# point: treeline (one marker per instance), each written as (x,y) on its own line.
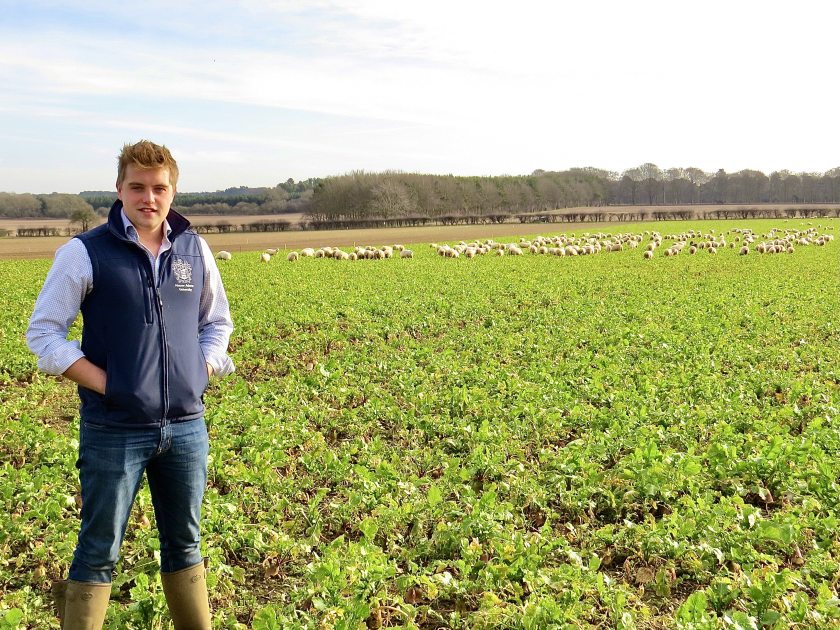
(359,199)
(286,197)
(52,206)
(650,185)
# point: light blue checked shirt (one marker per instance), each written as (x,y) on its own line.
(70,279)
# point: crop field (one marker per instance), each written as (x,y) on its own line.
(519,442)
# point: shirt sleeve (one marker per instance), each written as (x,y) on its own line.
(68,281)
(215,325)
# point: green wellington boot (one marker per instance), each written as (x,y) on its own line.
(59,592)
(186,596)
(85,604)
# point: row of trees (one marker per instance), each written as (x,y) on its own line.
(650,185)
(53,206)
(286,197)
(389,195)
(413,198)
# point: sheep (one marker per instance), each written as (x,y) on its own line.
(744,251)
(224,255)
(265,257)
(307,252)
(406,253)
(293,256)
(271,251)
(648,254)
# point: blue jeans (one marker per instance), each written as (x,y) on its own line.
(111,465)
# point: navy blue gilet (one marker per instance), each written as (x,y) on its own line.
(144,336)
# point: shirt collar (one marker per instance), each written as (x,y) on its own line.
(131,231)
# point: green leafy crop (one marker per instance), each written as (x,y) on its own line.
(500,442)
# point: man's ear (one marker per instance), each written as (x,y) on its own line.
(119,190)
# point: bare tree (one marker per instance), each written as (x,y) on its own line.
(391,199)
(85,218)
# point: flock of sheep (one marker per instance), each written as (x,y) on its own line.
(692,241)
(364,253)
(776,241)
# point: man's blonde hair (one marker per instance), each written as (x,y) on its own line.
(147,155)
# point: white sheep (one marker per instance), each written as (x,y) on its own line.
(224,255)
(293,256)
(271,251)
(406,253)
(265,257)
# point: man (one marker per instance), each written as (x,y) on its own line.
(156,325)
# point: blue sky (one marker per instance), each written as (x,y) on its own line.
(253,92)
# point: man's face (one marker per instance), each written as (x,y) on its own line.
(146,195)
